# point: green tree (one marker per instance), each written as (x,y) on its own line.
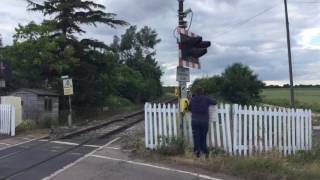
(211,85)
(135,49)
(241,85)
(52,49)
(1,41)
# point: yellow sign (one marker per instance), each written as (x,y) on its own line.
(67,87)
(184,104)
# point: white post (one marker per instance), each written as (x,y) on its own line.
(162,128)
(250,130)
(170,122)
(228,128)
(255,128)
(146,127)
(280,129)
(260,129)
(265,128)
(270,127)
(13,120)
(175,111)
(289,115)
(235,129)
(212,120)
(245,130)
(294,130)
(223,127)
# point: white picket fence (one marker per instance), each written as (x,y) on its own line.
(239,130)
(7,120)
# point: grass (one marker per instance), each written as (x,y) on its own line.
(304,165)
(304,97)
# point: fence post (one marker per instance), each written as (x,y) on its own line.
(235,129)
(146,124)
(13,120)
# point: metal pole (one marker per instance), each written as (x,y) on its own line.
(289,55)
(182,85)
(70,113)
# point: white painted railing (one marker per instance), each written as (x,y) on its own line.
(239,130)
(160,123)
(7,120)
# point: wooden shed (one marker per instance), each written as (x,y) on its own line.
(38,104)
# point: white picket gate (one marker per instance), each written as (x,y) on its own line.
(239,130)
(7,120)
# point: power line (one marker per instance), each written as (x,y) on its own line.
(241,23)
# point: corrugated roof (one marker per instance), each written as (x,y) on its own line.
(39,92)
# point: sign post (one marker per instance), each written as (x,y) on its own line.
(68,91)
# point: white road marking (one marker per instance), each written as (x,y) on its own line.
(74,144)
(22,143)
(157,167)
(66,143)
(116,148)
(79,160)
(6,144)
(27,139)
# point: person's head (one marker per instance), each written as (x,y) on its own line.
(199,91)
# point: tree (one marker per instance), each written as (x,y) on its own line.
(59,52)
(1,41)
(241,85)
(69,15)
(211,85)
(135,49)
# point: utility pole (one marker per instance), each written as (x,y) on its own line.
(182,84)
(289,55)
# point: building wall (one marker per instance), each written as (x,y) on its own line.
(43,114)
(16,102)
(29,103)
(33,106)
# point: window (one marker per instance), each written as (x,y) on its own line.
(48,104)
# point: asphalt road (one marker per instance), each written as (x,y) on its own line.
(37,159)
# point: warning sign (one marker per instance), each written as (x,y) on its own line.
(67,87)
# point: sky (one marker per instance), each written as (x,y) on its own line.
(251,32)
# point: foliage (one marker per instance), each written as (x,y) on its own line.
(240,85)
(211,85)
(26,125)
(42,53)
(172,147)
(139,71)
(237,84)
(1,41)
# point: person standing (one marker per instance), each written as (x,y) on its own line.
(199,107)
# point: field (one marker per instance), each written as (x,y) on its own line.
(304,97)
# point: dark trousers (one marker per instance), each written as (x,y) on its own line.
(199,132)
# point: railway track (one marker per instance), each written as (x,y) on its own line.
(93,136)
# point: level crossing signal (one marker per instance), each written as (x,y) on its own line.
(192,47)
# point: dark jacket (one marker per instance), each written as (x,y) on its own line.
(199,107)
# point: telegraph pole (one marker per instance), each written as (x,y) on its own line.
(182,84)
(289,55)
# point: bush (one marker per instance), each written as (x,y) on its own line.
(172,147)
(26,125)
(214,152)
(237,84)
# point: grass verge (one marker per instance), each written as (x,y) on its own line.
(304,165)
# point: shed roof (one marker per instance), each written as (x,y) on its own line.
(40,92)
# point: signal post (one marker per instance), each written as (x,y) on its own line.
(191,48)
